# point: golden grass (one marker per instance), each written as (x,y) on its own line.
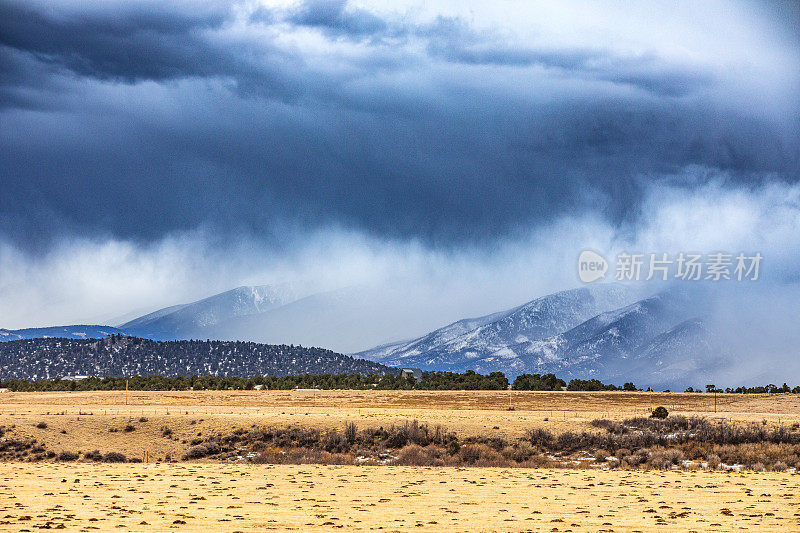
(88,416)
(247,497)
(226,498)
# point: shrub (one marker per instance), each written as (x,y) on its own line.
(202,450)
(537,461)
(632,460)
(42,425)
(454,447)
(93,456)
(409,433)
(491,457)
(540,437)
(521,452)
(658,459)
(113,457)
(622,452)
(568,441)
(128,428)
(350,432)
(660,412)
(674,456)
(779,466)
(713,461)
(416,455)
(67,456)
(335,442)
(480,455)
(470,453)
(601,455)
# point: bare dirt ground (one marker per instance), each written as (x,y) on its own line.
(204,497)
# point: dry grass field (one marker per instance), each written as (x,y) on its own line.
(86,417)
(198,496)
(227,498)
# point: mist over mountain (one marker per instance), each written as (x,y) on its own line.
(660,336)
(347,319)
(470,341)
(197,319)
(591,332)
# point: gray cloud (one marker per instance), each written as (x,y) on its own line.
(137,120)
(335,17)
(126,42)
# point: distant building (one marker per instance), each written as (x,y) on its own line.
(73,378)
(415,373)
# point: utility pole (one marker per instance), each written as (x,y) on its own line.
(715,399)
(126,391)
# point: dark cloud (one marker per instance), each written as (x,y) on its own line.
(129,43)
(335,17)
(135,120)
(134,42)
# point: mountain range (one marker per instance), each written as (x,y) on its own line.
(611,332)
(600,332)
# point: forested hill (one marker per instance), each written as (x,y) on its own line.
(117,355)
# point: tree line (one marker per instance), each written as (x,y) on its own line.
(430,381)
(468,380)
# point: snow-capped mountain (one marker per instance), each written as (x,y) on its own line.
(658,341)
(604,331)
(503,335)
(70,332)
(592,332)
(197,319)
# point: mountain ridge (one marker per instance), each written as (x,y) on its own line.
(119,355)
(193,320)
(554,334)
(77,331)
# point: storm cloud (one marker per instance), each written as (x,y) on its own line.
(452,128)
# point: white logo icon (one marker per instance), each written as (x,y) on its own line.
(591,266)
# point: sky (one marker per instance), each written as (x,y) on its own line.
(154,153)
